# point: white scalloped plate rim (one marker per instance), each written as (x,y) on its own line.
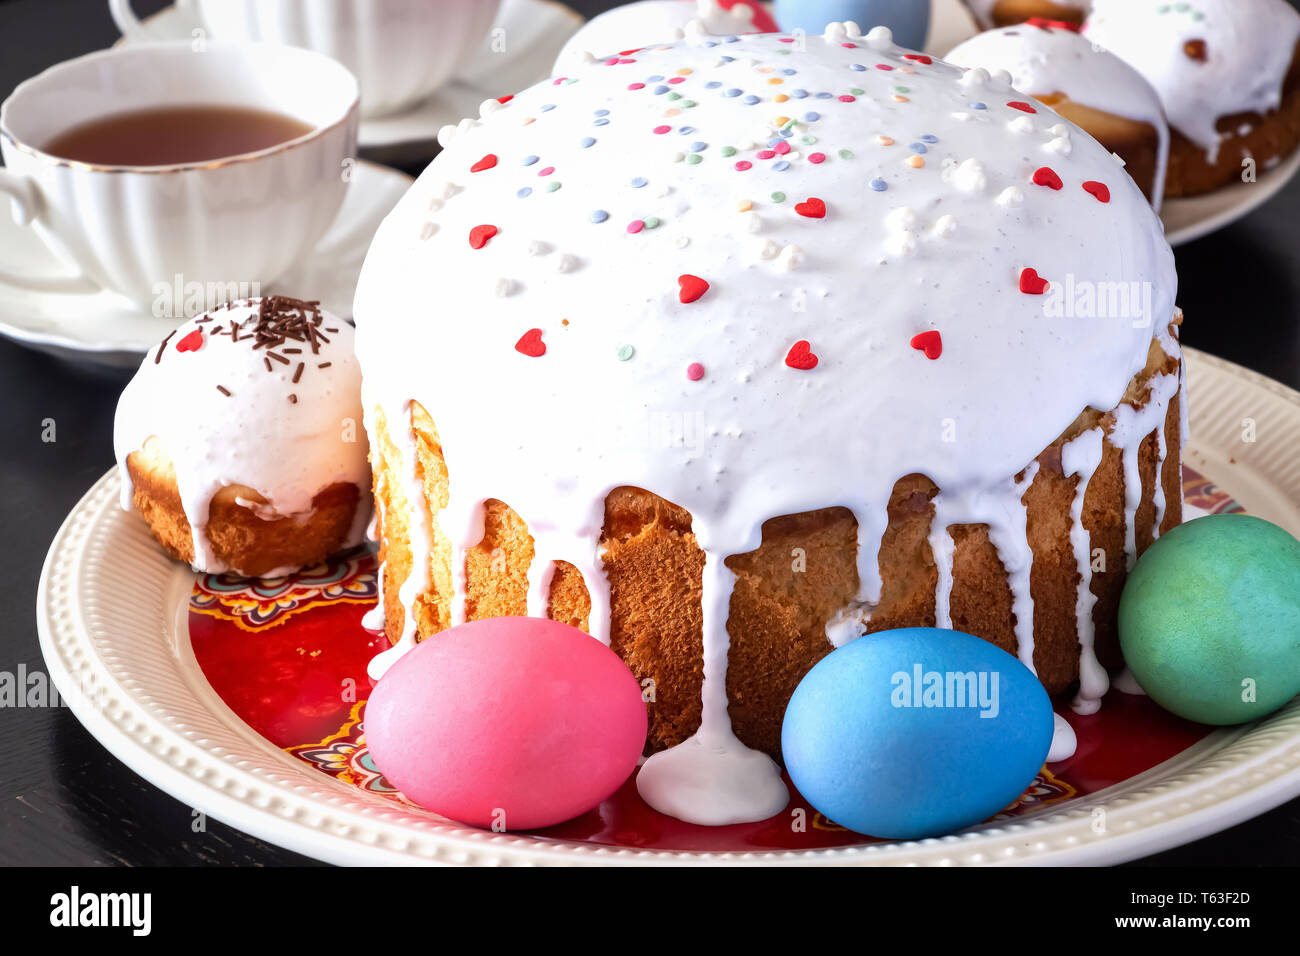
(112,612)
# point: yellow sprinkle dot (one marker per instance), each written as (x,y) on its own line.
(906,69)
(901,99)
(672,112)
(529,120)
(916,162)
(780,98)
(745,205)
(780,121)
(775,80)
(885,140)
(685,71)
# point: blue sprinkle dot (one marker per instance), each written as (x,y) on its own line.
(733,92)
(929,138)
(879,185)
(525,192)
(728,59)
(686,130)
(600,122)
(978,106)
(750,100)
(823,96)
(639,182)
(812,117)
(786,133)
(599,215)
(781,167)
(789,72)
(857,67)
(712,84)
(660,90)
(587,141)
(709,44)
(548,107)
(799,94)
(917,147)
(653,79)
(731,39)
(699,147)
(601,113)
(529,160)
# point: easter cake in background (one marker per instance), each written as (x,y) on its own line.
(1002,13)
(1227,73)
(239,439)
(733,349)
(1084,83)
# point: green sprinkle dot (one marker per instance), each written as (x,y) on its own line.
(783,52)
(674,96)
(687,104)
(809,139)
(902,89)
(857,92)
(625,352)
(728,151)
(551,187)
(650,222)
(694,159)
(778,197)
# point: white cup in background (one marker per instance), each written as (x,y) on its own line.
(242,219)
(400,50)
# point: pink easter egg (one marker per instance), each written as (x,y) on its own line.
(512,722)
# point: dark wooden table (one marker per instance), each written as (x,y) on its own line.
(65,800)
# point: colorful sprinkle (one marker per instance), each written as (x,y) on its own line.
(1046,176)
(744,165)
(1022,106)
(690,288)
(811,208)
(695,371)
(192,342)
(660,130)
(801,356)
(1099,191)
(531,344)
(487,162)
(529,160)
(639,182)
(599,215)
(879,185)
(778,197)
(625,352)
(930,342)
(587,142)
(479,235)
(1031,283)
(816,158)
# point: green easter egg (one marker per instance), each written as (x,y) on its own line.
(1210,619)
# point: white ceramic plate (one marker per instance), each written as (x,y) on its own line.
(523,44)
(107,330)
(112,613)
(1184,219)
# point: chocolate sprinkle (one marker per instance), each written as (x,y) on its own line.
(223,390)
(297,373)
(162,345)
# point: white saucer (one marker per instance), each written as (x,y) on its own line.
(105,329)
(533,32)
(1184,219)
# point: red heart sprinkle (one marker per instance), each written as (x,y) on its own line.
(812,208)
(487,162)
(1031,283)
(191,343)
(919,58)
(479,235)
(1046,176)
(1099,190)
(503,100)
(801,356)
(531,344)
(1023,107)
(691,287)
(931,343)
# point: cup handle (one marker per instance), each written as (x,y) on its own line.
(27,204)
(127,22)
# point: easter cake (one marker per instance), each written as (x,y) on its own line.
(733,349)
(240,440)
(1227,74)
(1089,86)
(1002,13)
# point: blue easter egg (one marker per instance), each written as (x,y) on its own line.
(909,19)
(916,732)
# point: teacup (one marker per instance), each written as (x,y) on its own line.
(400,50)
(234,222)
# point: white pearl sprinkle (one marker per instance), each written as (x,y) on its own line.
(1011,197)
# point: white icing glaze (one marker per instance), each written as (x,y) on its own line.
(1080,457)
(749,437)
(644,22)
(1249,46)
(982,10)
(256,436)
(1064,741)
(1044,60)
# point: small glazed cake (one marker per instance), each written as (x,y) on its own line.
(657,21)
(735,349)
(1004,13)
(1089,86)
(1226,72)
(240,439)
